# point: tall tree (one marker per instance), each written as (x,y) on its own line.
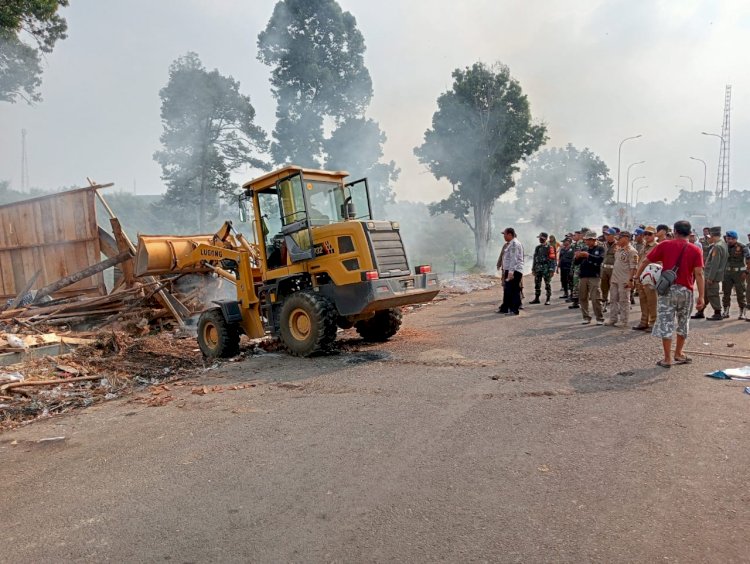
(480,133)
(564,189)
(317,55)
(28,28)
(357,145)
(209,131)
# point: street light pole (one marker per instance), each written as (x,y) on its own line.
(690,179)
(637,193)
(619,155)
(722,147)
(632,184)
(705,168)
(627,179)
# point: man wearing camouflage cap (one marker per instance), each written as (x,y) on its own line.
(735,274)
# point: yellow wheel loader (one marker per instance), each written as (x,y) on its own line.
(318,261)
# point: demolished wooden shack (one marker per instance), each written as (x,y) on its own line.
(53,256)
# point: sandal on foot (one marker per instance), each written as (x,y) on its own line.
(683,360)
(663,364)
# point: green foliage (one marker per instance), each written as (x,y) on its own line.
(480,133)
(209,131)
(564,188)
(357,146)
(317,55)
(20,62)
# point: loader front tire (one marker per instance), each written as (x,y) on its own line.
(308,323)
(380,327)
(216,337)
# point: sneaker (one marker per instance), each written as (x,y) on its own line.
(698,315)
(535,301)
(547,303)
(600,322)
(715,317)
(573,306)
(640,327)
(586,322)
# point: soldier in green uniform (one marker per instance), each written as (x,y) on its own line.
(735,274)
(543,268)
(714,274)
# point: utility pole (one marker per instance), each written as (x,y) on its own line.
(25,184)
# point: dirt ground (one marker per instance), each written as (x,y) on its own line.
(470,436)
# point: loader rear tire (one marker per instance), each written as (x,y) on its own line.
(381,327)
(308,323)
(216,337)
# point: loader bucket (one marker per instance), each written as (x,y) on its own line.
(158,254)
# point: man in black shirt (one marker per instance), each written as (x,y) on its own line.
(590,266)
(565,266)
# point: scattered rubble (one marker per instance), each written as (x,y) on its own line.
(109,367)
(468,283)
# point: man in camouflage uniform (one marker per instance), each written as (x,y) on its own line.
(578,245)
(735,273)
(543,268)
(714,273)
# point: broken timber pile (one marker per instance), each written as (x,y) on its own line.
(51,274)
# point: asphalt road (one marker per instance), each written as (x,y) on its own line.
(469,437)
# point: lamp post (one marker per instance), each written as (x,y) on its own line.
(627,178)
(637,193)
(690,179)
(619,155)
(704,177)
(631,189)
(635,203)
(722,147)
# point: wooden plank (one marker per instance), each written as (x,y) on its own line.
(90,188)
(78,276)
(123,245)
(161,295)
(23,292)
(107,244)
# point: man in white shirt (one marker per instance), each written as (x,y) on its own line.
(512,273)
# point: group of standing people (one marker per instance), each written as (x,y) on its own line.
(602,274)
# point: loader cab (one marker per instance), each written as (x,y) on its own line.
(291,203)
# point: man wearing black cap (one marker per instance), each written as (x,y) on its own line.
(717,264)
(590,264)
(738,262)
(543,268)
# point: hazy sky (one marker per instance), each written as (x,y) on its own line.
(595,71)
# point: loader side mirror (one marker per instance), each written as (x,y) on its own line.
(348,211)
(243,209)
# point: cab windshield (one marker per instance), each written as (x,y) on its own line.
(325,200)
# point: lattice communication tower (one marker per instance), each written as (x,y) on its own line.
(722,175)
